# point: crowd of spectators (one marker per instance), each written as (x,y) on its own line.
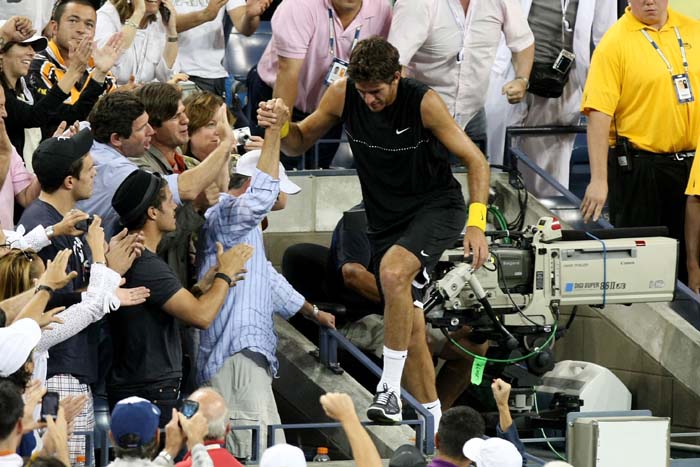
(128,218)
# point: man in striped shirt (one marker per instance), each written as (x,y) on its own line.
(237,352)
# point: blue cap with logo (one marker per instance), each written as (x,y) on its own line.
(134,422)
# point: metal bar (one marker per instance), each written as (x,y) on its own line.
(572,198)
(271,429)
(255,439)
(546,130)
(428,442)
(89,445)
(323,346)
(685,435)
(558,439)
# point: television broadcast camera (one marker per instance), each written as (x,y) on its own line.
(515,298)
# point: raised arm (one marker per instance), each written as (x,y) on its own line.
(193,181)
(246,18)
(339,406)
(304,134)
(188,21)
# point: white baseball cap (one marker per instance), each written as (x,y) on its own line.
(249,161)
(16,344)
(283,455)
(492,452)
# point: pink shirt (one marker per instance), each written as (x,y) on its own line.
(17,180)
(300,30)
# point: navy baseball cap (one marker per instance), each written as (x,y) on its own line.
(134,422)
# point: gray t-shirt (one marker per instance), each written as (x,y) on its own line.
(546,24)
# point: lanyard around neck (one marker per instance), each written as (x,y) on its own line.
(661,54)
(331,35)
(565,25)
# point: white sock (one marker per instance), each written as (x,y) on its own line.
(393,368)
(435,408)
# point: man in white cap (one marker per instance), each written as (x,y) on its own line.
(492,452)
(237,352)
(283,455)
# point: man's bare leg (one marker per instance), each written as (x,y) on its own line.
(396,272)
(454,376)
(419,372)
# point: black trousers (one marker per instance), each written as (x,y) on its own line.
(259,91)
(651,193)
(164,394)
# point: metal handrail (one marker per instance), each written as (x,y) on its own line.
(330,339)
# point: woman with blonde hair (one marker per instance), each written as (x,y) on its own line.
(150,38)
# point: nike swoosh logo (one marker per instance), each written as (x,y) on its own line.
(398,132)
(423,253)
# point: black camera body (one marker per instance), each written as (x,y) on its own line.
(85,225)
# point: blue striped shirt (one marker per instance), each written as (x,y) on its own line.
(245,320)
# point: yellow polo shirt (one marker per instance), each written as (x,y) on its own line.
(629,81)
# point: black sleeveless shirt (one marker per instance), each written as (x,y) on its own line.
(401,164)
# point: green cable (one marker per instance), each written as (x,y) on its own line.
(500,218)
(537,411)
(510,360)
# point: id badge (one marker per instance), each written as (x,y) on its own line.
(339,69)
(683,90)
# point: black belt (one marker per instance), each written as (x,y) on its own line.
(679,156)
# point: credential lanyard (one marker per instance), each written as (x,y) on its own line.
(461,21)
(331,35)
(661,54)
(565,25)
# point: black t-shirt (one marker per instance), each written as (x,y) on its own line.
(146,340)
(76,356)
(400,163)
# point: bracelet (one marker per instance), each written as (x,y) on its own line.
(166,456)
(41,287)
(316,310)
(224,277)
(527,81)
(172,38)
(477,216)
(284,131)
(131,24)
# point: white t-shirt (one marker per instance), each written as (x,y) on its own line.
(39,11)
(144,59)
(202,48)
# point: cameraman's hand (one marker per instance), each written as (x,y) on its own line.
(174,436)
(32,396)
(254,142)
(56,437)
(195,429)
(55,275)
(68,223)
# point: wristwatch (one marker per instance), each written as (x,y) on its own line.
(49,232)
(164,454)
(316,310)
(41,287)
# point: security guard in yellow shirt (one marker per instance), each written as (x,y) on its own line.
(643,118)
